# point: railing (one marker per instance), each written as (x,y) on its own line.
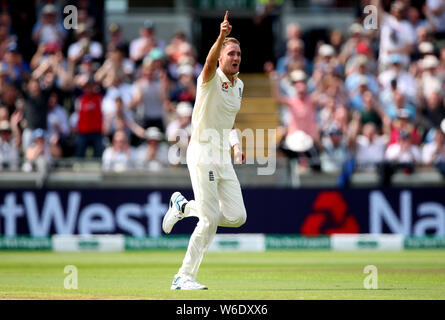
(82,173)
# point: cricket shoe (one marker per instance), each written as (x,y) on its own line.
(174,213)
(185,283)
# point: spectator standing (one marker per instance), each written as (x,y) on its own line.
(150,97)
(89,120)
(49,29)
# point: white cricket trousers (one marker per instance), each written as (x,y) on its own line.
(218,202)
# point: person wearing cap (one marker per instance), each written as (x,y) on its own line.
(116,38)
(302,112)
(357,43)
(402,122)
(400,102)
(396,34)
(430,79)
(402,155)
(404,81)
(326,60)
(178,133)
(333,153)
(37,154)
(153,155)
(142,46)
(120,155)
(356,96)
(435,13)
(433,152)
(84,45)
(48,29)
(353,79)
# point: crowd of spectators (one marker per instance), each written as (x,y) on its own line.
(77,98)
(372,99)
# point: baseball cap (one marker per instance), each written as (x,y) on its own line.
(148,24)
(184,109)
(363,80)
(81,28)
(5,126)
(156,54)
(362,60)
(49,9)
(442,125)
(395,58)
(356,28)
(114,27)
(299,141)
(12,47)
(430,62)
(52,47)
(426,47)
(333,129)
(403,114)
(153,133)
(38,133)
(326,50)
(363,48)
(185,69)
(297,75)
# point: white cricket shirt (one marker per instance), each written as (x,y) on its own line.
(216,105)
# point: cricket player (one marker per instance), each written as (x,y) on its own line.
(218,198)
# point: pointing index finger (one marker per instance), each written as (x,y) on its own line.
(226,16)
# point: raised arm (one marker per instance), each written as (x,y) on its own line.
(209,69)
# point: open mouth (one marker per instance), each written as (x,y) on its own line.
(235,65)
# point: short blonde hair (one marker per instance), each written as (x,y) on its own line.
(230,40)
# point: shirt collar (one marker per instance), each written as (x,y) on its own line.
(223,75)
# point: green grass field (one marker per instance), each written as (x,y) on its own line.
(287,275)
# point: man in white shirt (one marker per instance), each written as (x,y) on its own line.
(218,198)
(370,147)
(84,45)
(118,157)
(435,12)
(400,155)
(396,34)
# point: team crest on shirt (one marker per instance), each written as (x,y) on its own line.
(225,87)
